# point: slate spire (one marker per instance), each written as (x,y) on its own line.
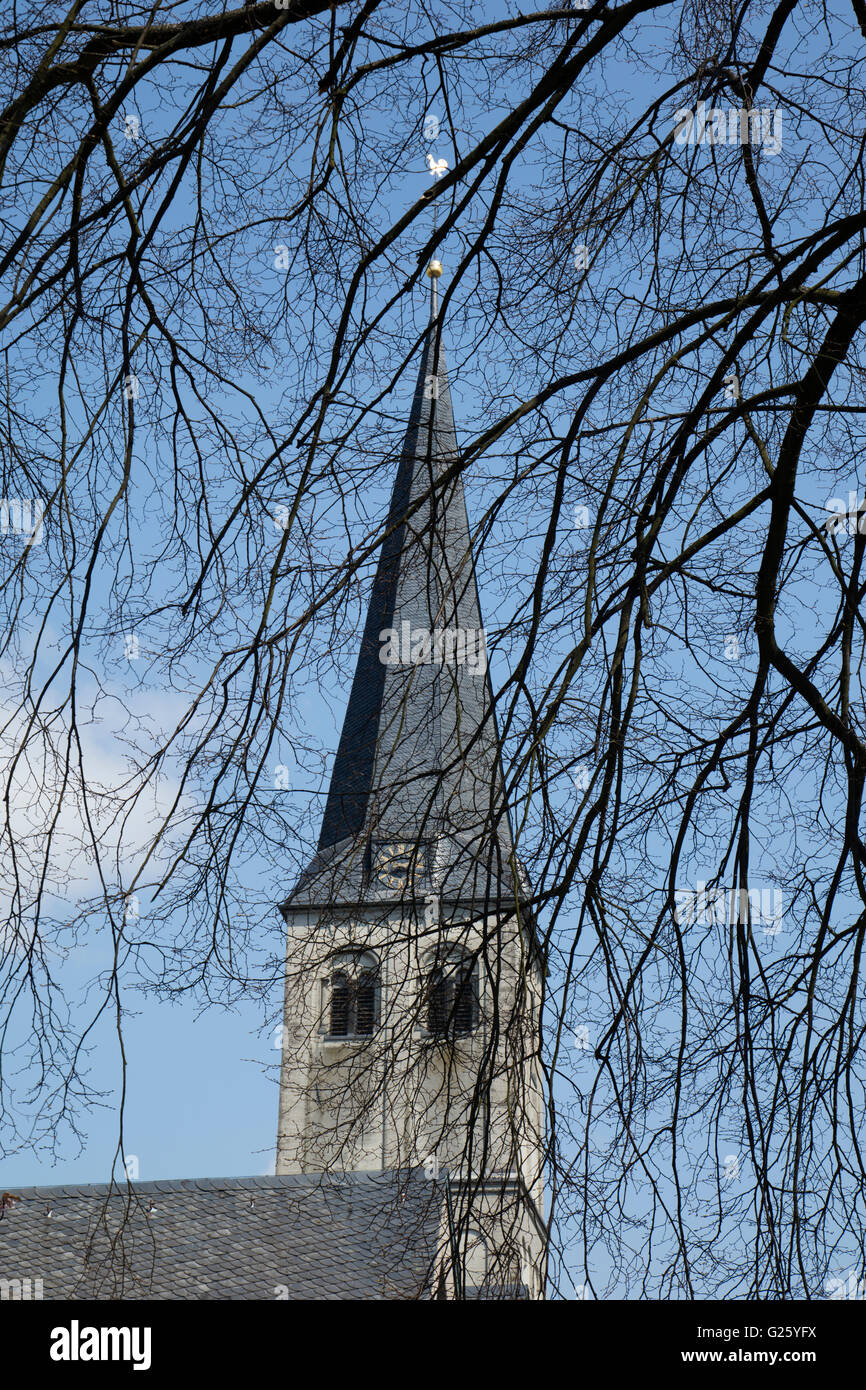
(418,761)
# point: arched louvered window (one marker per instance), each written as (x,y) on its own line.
(452,995)
(353,1006)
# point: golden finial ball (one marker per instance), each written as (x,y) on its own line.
(434,270)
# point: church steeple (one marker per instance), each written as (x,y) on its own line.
(418,762)
(413,987)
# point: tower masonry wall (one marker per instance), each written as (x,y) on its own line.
(468,1108)
(401,1097)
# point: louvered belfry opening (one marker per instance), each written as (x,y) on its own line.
(452,997)
(353,1001)
(365,1002)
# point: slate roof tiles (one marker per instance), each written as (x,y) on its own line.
(353,1236)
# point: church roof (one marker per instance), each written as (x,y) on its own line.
(418,761)
(352,1236)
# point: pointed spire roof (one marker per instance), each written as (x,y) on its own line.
(418,764)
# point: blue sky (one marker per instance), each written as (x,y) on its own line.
(202,1092)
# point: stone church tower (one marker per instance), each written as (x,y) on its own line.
(413,980)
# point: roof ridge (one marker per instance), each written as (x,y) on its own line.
(171,1185)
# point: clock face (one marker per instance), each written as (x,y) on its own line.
(392,863)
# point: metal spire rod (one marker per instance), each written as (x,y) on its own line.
(434,270)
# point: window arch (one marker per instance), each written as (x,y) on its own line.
(452,994)
(352,995)
(476,1263)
